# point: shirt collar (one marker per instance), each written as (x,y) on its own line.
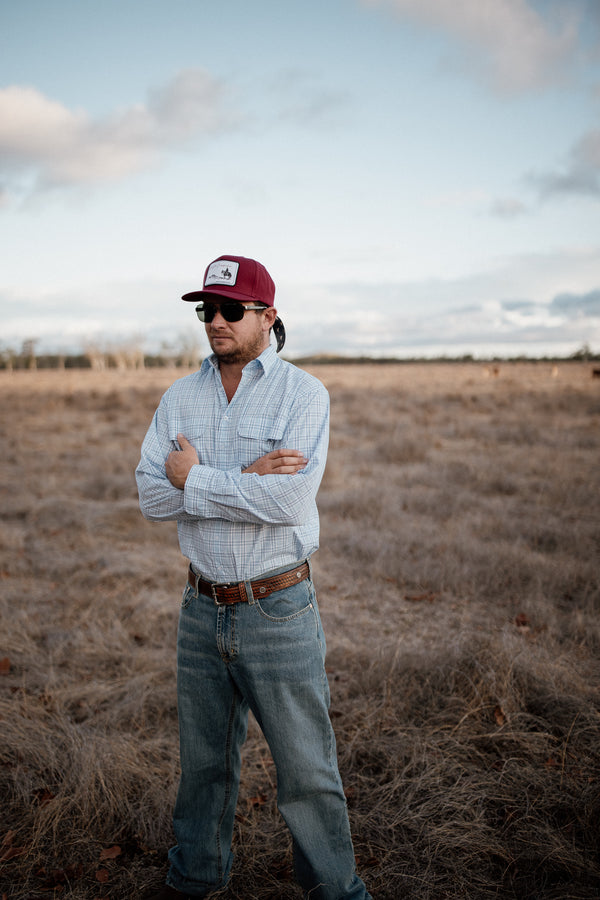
(267,359)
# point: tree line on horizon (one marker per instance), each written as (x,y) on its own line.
(186,353)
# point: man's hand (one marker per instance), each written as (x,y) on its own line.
(278,462)
(179,462)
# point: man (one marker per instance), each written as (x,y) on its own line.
(235,454)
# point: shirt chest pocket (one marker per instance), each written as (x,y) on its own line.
(204,442)
(256,438)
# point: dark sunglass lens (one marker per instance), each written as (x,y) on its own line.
(232,312)
(205,312)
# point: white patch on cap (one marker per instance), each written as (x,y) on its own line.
(224,271)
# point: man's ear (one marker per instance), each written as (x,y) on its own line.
(268,317)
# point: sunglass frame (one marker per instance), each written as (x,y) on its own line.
(226,308)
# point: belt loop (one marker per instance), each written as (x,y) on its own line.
(309,564)
(249,594)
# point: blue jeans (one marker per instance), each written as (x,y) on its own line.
(266,655)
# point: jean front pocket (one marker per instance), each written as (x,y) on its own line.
(290,603)
(188,595)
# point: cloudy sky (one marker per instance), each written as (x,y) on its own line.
(419,176)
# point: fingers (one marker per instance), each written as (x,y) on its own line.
(188,451)
(179,462)
(288,454)
(286,466)
(278,462)
(286,462)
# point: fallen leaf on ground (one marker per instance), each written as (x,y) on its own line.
(43,796)
(12,853)
(7,839)
(111,852)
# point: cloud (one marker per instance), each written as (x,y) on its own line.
(540,327)
(505,328)
(577,305)
(534,304)
(300,99)
(58,146)
(580,175)
(508,207)
(508,43)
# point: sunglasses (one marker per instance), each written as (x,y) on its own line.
(232,311)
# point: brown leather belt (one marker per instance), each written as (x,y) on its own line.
(228,594)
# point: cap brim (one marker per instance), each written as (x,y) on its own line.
(196,296)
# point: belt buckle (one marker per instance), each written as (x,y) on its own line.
(213,588)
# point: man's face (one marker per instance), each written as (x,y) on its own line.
(240,342)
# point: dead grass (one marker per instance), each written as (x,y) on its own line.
(459,581)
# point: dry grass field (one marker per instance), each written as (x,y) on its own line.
(458,578)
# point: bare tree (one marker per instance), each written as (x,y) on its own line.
(189,349)
(96,355)
(28,353)
(7,358)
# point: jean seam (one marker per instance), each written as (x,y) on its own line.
(283,619)
(228,780)
(188,596)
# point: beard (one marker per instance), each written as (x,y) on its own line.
(242,353)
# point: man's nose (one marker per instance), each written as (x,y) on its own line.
(218,317)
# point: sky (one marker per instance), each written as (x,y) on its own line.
(419,177)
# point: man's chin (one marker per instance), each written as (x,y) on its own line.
(231,356)
(235,355)
(222,348)
(225,353)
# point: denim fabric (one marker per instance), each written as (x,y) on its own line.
(268,656)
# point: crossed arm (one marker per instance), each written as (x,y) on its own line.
(277,462)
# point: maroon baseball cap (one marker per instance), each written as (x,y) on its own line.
(238,278)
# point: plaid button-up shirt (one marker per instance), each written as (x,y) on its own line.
(234,527)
